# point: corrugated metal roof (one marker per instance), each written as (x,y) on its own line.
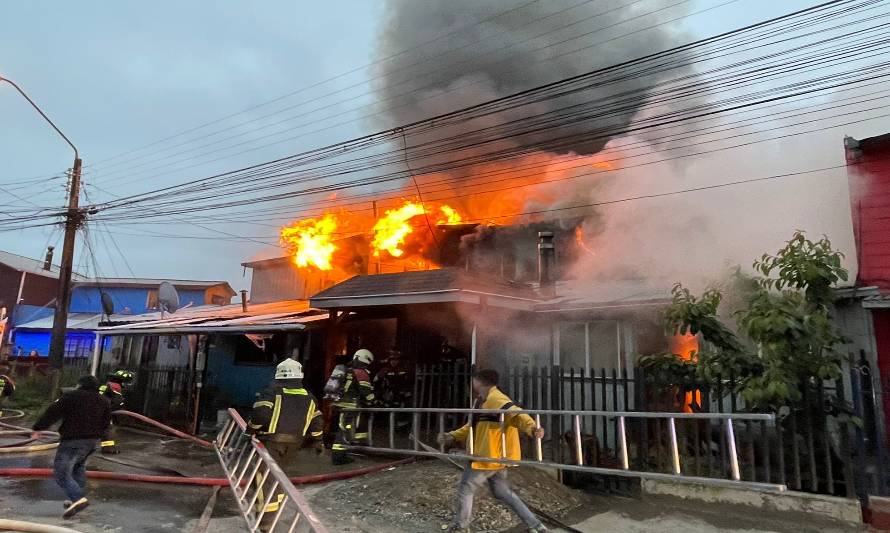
(221,311)
(182,284)
(78,321)
(287,315)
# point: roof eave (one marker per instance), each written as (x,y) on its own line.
(425,297)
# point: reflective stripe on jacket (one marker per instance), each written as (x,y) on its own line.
(115,398)
(487,430)
(286,412)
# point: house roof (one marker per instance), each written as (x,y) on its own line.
(576,295)
(876,301)
(181,284)
(879,141)
(266,263)
(35,266)
(31,266)
(288,315)
(424,286)
(76,321)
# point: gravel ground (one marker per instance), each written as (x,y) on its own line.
(420,497)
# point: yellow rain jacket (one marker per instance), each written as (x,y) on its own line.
(487,430)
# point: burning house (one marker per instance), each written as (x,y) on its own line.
(452,291)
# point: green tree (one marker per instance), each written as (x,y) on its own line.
(785,319)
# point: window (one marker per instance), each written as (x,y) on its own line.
(572,349)
(248,352)
(78,346)
(151,300)
(594,345)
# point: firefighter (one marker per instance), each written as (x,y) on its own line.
(393,384)
(7,388)
(285,418)
(112,390)
(358,391)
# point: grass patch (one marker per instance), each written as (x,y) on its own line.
(32,393)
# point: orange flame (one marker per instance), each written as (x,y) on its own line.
(686,346)
(310,241)
(451,216)
(579,240)
(390,231)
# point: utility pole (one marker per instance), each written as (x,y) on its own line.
(73,220)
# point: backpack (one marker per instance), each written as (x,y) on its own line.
(333,389)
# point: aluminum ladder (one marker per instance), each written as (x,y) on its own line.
(255,479)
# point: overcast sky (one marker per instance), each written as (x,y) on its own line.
(116,76)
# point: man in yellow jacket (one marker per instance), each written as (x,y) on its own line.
(488,442)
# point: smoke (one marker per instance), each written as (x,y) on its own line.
(499,47)
(507,46)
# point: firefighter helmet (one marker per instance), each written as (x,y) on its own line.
(363,356)
(289,369)
(121,376)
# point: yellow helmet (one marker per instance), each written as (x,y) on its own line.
(364,356)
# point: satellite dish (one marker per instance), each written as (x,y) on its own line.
(107,304)
(168,298)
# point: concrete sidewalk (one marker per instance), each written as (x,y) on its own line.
(669,515)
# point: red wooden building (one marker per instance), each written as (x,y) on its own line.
(868,169)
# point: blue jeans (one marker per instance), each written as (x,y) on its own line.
(472,480)
(69,467)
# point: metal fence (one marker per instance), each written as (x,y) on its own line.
(826,444)
(260,487)
(627,466)
(161,392)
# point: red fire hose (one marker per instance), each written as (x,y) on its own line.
(168,429)
(202,481)
(116,476)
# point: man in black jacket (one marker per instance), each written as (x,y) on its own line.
(85,416)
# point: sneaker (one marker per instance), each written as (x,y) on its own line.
(538,529)
(66,504)
(75,508)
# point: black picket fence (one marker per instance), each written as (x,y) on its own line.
(829,444)
(164,393)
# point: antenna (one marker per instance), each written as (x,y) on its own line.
(168,298)
(107,304)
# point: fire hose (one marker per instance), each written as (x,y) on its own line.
(201,481)
(179,480)
(168,429)
(24,445)
(29,527)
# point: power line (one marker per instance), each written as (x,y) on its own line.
(391,98)
(328,80)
